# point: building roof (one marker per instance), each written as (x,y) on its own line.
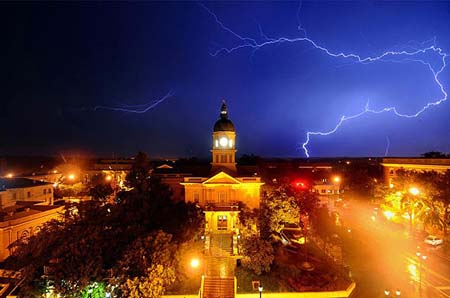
(224,124)
(8,183)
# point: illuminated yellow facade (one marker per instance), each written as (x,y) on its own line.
(392,165)
(221,194)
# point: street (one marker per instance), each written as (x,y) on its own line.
(382,257)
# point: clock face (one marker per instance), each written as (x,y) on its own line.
(223,141)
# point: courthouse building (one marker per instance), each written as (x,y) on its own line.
(221,193)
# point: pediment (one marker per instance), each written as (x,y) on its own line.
(222,178)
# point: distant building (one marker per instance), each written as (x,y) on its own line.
(25,205)
(13,190)
(392,165)
(220,194)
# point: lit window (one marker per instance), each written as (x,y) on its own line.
(217,143)
(230,143)
(196,197)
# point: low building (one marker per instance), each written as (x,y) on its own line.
(392,165)
(22,221)
(25,206)
(14,190)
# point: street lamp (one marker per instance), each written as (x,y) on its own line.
(195,263)
(386,293)
(414,191)
(260,289)
(337,179)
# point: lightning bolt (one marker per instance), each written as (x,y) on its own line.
(388,56)
(139,108)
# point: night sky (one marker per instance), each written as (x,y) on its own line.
(61,60)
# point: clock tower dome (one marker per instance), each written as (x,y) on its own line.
(224,145)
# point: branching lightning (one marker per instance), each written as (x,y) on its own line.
(388,56)
(139,108)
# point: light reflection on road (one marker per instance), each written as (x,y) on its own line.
(381,257)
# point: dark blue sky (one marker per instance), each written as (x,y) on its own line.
(60,60)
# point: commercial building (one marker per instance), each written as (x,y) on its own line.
(392,165)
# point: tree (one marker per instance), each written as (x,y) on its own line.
(258,254)
(99,187)
(249,221)
(307,202)
(148,266)
(93,239)
(139,173)
(277,209)
(434,154)
(151,285)
(323,224)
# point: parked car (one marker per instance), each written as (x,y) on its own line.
(433,240)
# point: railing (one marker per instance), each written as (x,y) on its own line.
(228,206)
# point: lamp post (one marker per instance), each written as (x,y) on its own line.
(421,258)
(260,289)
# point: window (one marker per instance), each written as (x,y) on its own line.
(45,191)
(29,194)
(49,190)
(222,197)
(323,191)
(223,158)
(196,197)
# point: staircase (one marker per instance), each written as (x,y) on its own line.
(218,287)
(221,245)
(219,281)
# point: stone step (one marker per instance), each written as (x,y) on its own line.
(216,287)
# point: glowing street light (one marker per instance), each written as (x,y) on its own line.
(414,191)
(337,179)
(108,178)
(391,185)
(10,175)
(71,176)
(260,289)
(195,263)
(389,214)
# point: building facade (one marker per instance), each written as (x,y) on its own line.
(392,165)
(25,206)
(13,190)
(222,193)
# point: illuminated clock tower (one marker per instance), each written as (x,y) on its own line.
(224,145)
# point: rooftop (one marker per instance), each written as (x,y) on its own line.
(9,183)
